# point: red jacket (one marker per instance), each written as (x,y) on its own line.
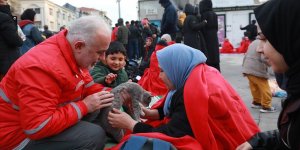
(150,80)
(217,115)
(243,46)
(41,94)
(227,47)
(114,34)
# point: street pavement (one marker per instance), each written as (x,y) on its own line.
(231,69)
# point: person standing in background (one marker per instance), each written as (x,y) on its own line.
(210,33)
(192,33)
(10,41)
(123,33)
(255,68)
(169,19)
(251,30)
(33,35)
(47,33)
(133,41)
(114,33)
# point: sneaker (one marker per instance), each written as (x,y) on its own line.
(268,110)
(256,106)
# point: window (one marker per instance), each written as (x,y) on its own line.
(51,25)
(37,10)
(57,14)
(51,11)
(38,24)
(64,16)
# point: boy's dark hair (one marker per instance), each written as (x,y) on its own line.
(115,47)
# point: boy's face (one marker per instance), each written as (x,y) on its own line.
(115,61)
(148,42)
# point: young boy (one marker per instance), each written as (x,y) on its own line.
(110,72)
(255,68)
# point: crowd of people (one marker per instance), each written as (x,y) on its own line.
(51,97)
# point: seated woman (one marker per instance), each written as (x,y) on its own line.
(227,47)
(201,109)
(150,80)
(244,45)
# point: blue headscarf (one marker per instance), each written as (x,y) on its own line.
(177,61)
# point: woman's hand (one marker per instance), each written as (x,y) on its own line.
(244,146)
(119,119)
(149,113)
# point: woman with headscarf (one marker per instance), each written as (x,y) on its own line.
(200,111)
(279,22)
(192,26)
(210,33)
(32,33)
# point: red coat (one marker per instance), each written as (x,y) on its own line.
(41,94)
(150,80)
(244,46)
(218,116)
(114,34)
(227,47)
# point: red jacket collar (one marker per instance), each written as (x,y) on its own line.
(23,23)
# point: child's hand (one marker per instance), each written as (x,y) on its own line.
(110,78)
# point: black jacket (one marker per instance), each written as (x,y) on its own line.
(192,33)
(178,125)
(169,19)
(9,40)
(210,32)
(288,134)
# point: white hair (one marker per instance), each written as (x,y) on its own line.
(167,37)
(86,28)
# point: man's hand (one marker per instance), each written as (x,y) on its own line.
(244,146)
(110,78)
(98,100)
(119,119)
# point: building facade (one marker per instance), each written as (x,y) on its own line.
(49,13)
(231,15)
(53,15)
(84,11)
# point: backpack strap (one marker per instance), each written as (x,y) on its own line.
(160,144)
(135,142)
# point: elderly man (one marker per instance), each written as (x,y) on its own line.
(47,93)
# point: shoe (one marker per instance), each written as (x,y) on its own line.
(268,110)
(256,106)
